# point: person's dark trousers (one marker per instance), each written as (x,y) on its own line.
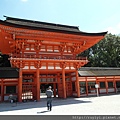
(49,104)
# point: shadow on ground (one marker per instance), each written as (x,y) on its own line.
(42,103)
(42,112)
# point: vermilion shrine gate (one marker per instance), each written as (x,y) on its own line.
(44,53)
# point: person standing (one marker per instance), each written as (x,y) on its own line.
(49,94)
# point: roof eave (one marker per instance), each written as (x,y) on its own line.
(52,30)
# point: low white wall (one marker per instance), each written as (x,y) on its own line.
(92,94)
(6,98)
(74,94)
(102,90)
(111,90)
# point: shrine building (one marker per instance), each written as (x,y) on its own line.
(43,54)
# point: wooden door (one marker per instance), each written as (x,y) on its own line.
(28,91)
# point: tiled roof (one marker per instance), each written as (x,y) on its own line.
(31,24)
(98,71)
(8,72)
(39,24)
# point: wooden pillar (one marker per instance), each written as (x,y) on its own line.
(54,87)
(58,82)
(20,86)
(114,83)
(38,84)
(77,84)
(86,85)
(58,78)
(63,82)
(71,84)
(106,85)
(34,89)
(2,90)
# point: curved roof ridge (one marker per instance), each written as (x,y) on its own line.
(34,21)
(37,25)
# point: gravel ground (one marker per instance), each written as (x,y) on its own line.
(102,105)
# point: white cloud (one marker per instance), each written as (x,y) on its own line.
(114,29)
(24,0)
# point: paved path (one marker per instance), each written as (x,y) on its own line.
(102,105)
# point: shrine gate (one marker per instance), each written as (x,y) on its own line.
(44,53)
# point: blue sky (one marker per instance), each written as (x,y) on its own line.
(89,15)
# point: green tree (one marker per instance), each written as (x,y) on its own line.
(1,59)
(4,62)
(106,53)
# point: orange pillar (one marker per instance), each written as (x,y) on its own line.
(34,89)
(71,92)
(58,82)
(114,82)
(20,86)
(106,84)
(77,84)
(2,90)
(63,81)
(38,84)
(86,86)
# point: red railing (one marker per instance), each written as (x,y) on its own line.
(58,57)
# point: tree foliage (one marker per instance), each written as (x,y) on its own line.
(106,53)
(4,62)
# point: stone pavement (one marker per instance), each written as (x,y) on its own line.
(102,105)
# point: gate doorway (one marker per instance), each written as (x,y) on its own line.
(44,87)
(28,90)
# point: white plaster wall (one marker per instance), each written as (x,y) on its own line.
(26,67)
(111,90)
(51,67)
(92,94)
(102,90)
(72,68)
(43,67)
(67,68)
(32,67)
(83,94)
(58,68)
(6,97)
